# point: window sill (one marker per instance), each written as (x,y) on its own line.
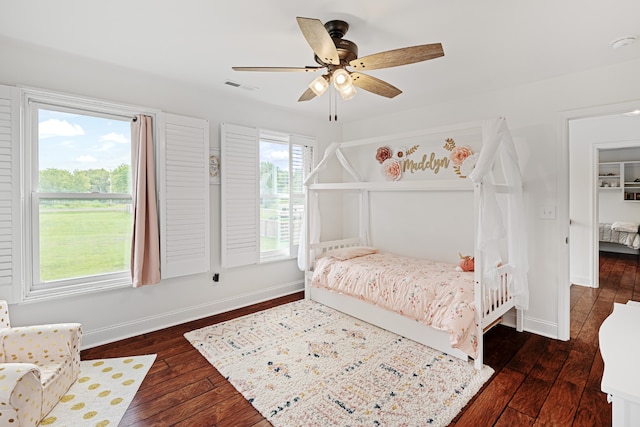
(270,260)
(71,291)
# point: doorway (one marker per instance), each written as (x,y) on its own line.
(584,133)
(617,198)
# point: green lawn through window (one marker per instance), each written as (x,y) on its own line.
(84,242)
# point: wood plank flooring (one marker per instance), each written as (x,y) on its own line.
(538,381)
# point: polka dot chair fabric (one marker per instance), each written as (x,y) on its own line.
(38,364)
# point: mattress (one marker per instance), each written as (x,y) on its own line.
(430,292)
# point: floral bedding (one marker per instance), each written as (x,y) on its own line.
(433,293)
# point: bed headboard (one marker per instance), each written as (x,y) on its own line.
(334,244)
(317,249)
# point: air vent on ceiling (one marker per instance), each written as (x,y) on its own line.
(240,85)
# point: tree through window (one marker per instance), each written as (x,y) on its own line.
(81,197)
(281,195)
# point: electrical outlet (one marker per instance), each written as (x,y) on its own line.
(216,277)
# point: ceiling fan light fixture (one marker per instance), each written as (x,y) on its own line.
(319,85)
(344,84)
(341,79)
(348,92)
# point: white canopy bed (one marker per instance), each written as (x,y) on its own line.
(498,284)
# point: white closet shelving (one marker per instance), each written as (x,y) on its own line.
(621,176)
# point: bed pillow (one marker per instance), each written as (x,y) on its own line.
(343,254)
(629,227)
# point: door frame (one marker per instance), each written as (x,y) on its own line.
(563,279)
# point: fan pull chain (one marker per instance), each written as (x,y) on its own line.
(333,102)
(330,96)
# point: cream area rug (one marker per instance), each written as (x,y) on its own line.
(102,393)
(304,364)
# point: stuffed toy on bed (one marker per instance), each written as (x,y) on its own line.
(466,263)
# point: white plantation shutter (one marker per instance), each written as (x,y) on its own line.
(184,196)
(240,192)
(10,219)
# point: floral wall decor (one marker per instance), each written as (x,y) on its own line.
(463,159)
(395,164)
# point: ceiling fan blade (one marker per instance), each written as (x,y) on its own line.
(307,95)
(286,69)
(319,40)
(402,56)
(374,85)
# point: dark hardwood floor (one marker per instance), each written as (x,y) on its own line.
(538,381)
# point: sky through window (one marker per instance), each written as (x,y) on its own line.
(80,142)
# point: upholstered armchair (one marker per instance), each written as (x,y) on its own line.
(38,364)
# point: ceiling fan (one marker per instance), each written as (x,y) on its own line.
(336,54)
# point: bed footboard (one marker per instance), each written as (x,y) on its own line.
(495,302)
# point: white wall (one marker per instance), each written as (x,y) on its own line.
(435,225)
(612,207)
(533,114)
(114,314)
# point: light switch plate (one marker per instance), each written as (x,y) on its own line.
(547,212)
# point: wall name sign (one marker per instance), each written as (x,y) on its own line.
(396,163)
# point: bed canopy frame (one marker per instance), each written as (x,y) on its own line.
(500,283)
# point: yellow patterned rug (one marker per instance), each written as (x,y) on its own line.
(102,393)
(304,364)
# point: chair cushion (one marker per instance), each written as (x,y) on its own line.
(56,379)
(20,395)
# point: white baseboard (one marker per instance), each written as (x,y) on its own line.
(582,281)
(96,337)
(533,325)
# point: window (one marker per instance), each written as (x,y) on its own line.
(281,197)
(80,213)
(65,194)
(262,194)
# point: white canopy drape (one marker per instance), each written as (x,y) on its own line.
(497,142)
(313,216)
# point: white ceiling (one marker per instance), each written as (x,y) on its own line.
(488,44)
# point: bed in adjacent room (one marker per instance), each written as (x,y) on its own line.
(619,236)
